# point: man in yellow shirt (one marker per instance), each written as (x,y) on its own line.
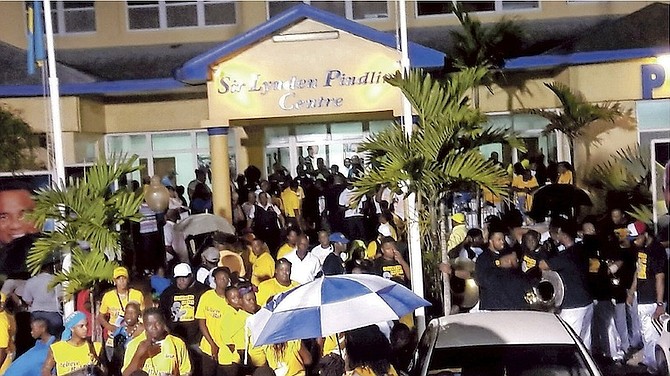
(155,351)
(7,329)
(292,199)
(74,351)
(264,265)
(291,242)
(280,283)
(114,303)
(211,315)
(459,231)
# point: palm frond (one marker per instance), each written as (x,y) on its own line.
(642,213)
(86,210)
(88,268)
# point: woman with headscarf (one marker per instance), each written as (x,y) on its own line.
(74,352)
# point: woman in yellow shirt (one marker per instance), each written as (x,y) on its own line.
(74,351)
(264,265)
(280,283)
(564,174)
(113,305)
(7,332)
(211,314)
(155,351)
(522,185)
(288,358)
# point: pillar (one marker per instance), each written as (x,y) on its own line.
(218,149)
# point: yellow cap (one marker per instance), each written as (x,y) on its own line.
(458,218)
(120,272)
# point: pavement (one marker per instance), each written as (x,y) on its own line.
(631,368)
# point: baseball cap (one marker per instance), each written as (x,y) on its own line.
(338,237)
(120,272)
(458,218)
(384,230)
(211,254)
(636,228)
(182,270)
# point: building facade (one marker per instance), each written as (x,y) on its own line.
(228,84)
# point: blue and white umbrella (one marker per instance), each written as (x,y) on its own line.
(330,305)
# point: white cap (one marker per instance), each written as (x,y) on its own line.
(182,270)
(384,230)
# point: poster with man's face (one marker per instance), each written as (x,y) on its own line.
(16,200)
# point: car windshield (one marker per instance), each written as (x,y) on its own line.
(508,360)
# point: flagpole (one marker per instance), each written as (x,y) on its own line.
(58,173)
(54,99)
(413,233)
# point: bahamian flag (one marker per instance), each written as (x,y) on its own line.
(35,51)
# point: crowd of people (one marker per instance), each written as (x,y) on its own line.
(189,317)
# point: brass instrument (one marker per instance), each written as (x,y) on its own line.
(548,294)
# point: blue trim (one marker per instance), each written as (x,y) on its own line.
(580,58)
(218,131)
(100,88)
(195,70)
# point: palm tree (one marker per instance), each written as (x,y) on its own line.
(484,46)
(87,214)
(577,117)
(440,156)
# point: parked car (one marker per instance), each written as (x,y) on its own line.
(510,343)
(662,349)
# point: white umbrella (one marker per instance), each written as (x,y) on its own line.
(203,223)
(332,304)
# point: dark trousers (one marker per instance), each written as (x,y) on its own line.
(210,367)
(355,228)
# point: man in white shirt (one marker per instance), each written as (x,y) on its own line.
(324,248)
(354,223)
(304,265)
(210,260)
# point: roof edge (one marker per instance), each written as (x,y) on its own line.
(92,88)
(539,62)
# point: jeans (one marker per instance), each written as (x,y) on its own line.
(605,339)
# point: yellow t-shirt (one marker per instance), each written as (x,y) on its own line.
(263,269)
(7,331)
(518,182)
(114,304)
(366,371)
(270,288)
(256,354)
(283,251)
(565,178)
(289,362)
(213,309)
(70,358)
(371,250)
(291,202)
(173,356)
(234,332)
(330,345)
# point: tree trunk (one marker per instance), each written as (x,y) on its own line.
(445,258)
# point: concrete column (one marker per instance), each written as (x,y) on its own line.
(218,149)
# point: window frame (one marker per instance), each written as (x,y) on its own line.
(498,8)
(162,6)
(348,10)
(60,28)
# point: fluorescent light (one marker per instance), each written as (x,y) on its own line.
(318,35)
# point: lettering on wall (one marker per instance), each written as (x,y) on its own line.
(655,81)
(296,90)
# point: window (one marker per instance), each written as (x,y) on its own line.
(429,8)
(171,14)
(351,9)
(73,16)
